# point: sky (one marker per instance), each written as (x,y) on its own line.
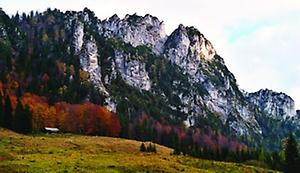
(258,39)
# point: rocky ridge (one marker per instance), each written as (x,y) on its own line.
(188,49)
(179,77)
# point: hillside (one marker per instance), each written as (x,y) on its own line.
(75,153)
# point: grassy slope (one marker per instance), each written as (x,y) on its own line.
(74,153)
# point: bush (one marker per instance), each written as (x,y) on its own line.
(176,151)
(143,148)
(151,148)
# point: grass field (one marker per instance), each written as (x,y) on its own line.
(75,153)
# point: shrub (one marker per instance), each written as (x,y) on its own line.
(143,148)
(151,148)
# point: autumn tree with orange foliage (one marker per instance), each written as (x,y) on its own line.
(87,118)
(84,118)
(43,115)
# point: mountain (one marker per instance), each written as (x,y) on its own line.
(133,67)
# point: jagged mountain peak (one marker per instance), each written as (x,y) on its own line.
(87,10)
(267,91)
(270,93)
(189,41)
(114,17)
(136,30)
(276,104)
(140,20)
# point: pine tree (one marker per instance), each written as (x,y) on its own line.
(22,120)
(276,162)
(17,122)
(143,147)
(154,148)
(7,118)
(1,111)
(27,119)
(291,155)
(149,148)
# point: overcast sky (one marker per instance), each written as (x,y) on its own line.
(259,39)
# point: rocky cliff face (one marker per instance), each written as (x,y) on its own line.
(136,30)
(85,47)
(194,54)
(89,63)
(133,72)
(276,105)
(187,48)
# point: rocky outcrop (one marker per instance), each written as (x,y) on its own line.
(194,54)
(276,105)
(136,30)
(89,63)
(78,37)
(187,48)
(132,71)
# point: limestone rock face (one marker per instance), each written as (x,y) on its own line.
(89,63)
(276,105)
(194,54)
(132,71)
(86,48)
(137,30)
(187,48)
(78,37)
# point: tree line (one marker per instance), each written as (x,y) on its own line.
(28,113)
(209,144)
